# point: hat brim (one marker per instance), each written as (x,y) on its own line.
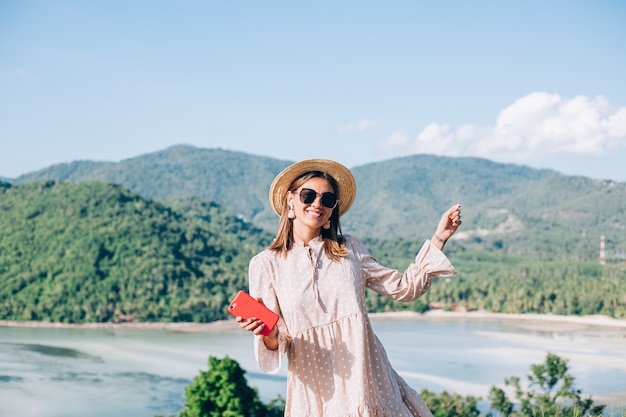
(345,182)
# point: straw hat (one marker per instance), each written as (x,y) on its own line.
(345,182)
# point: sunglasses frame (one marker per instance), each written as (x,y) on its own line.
(309,191)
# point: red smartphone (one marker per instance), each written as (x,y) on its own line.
(245,306)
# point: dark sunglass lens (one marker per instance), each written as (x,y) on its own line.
(329,200)
(307,196)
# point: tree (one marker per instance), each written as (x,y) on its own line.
(554,394)
(450,405)
(222,391)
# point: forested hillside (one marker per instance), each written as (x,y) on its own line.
(505,283)
(404,196)
(237,181)
(98,253)
(507,208)
(510,208)
(83,250)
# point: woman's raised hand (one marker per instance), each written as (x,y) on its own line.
(448,224)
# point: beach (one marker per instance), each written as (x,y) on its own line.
(585,341)
(528,321)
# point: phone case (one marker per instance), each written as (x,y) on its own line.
(245,306)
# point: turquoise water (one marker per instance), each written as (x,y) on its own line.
(138,373)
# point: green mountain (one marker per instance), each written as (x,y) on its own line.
(239,182)
(510,208)
(406,196)
(96,252)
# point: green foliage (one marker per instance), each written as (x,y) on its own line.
(529,241)
(98,253)
(222,391)
(523,286)
(550,392)
(275,407)
(404,197)
(450,405)
(499,282)
(519,210)
(237,181)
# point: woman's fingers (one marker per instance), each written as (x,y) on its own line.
(252,324)
(450,221)
(455,215)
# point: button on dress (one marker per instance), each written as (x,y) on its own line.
(337,367)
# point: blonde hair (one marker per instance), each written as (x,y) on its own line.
(334,243)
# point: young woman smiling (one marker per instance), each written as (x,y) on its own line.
(314,278)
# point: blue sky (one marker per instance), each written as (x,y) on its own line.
(537,83)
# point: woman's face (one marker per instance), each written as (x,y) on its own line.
(313,215)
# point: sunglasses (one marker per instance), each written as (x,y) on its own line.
(328,199)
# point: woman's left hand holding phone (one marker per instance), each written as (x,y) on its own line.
(256,326)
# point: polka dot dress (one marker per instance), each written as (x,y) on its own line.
(337,367)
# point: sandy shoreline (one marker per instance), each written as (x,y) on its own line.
(539,321)
(595,326)
(216,326)
(556,322)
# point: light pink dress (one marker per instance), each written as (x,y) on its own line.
(337,366)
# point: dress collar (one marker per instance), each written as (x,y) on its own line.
(316,241)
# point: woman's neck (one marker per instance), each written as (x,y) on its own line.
(305,235)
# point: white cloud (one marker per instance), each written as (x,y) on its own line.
(358,126)
(616,124)
(436,138)
(397,140)
(535,126)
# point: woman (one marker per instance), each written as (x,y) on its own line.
(315,278)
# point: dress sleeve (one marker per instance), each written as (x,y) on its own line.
(260,273)
(416,280)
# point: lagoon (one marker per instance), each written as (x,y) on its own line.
(55,372)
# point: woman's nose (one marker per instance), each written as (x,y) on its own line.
(318,201)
